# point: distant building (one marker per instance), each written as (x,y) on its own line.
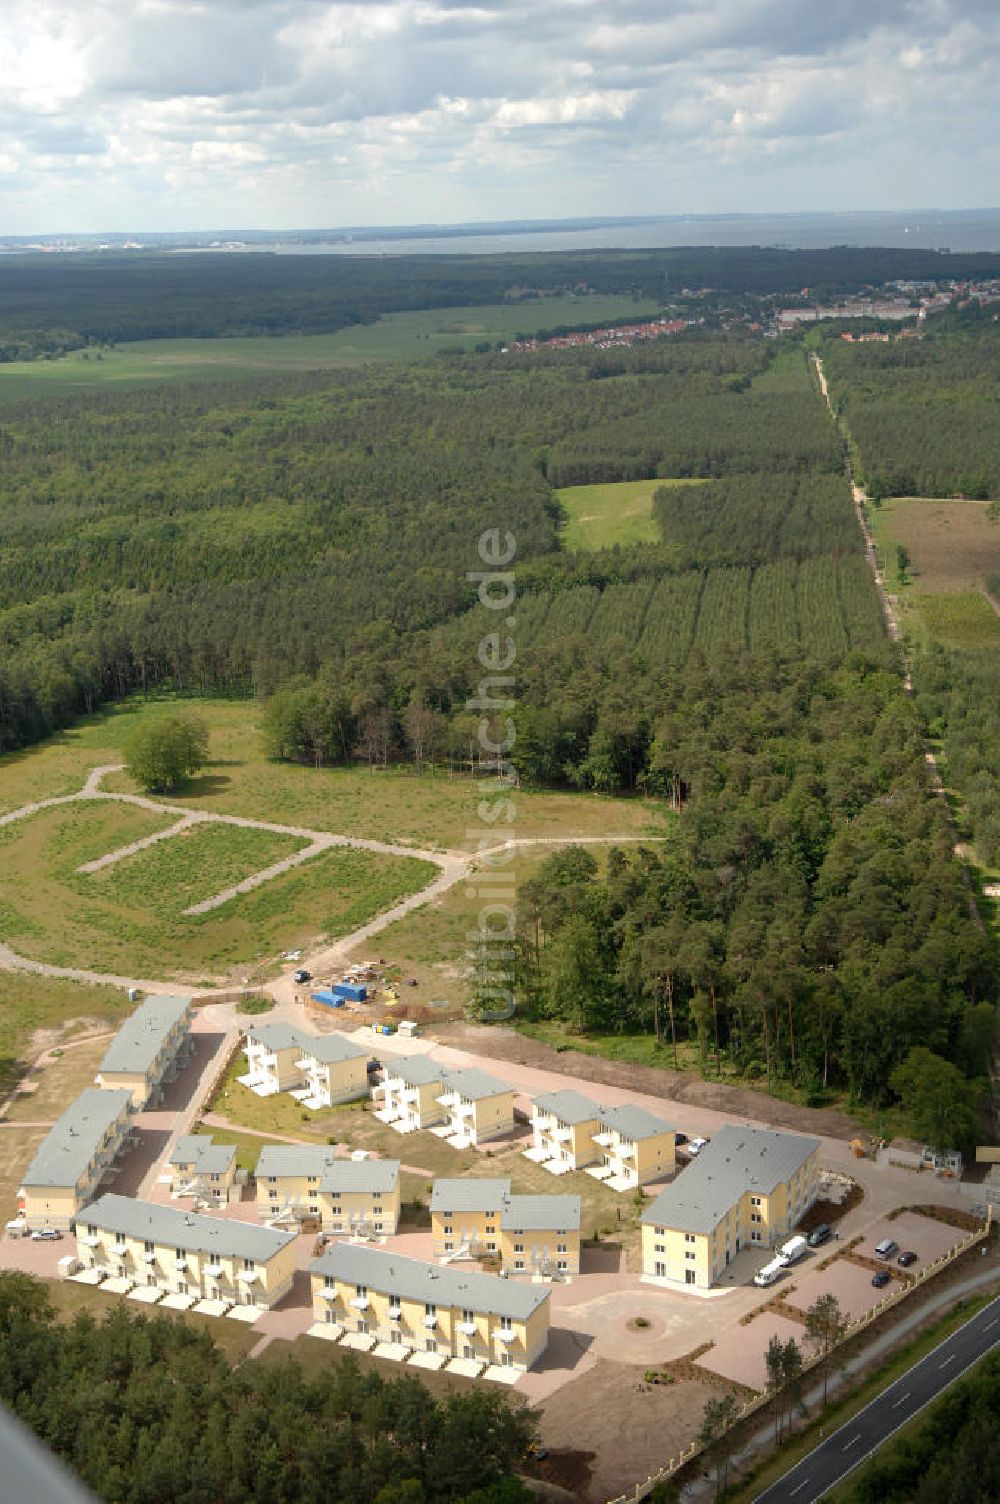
(623,1146)
(148,1050)
(747,1187)
(318,1069)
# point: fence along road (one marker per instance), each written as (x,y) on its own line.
(861,1436)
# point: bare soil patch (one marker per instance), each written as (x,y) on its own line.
(952,544)
(654,1081)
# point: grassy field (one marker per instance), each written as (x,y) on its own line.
(952,548)
(33,1006)
(128,918)
(59,1083)
(398,336)
(17,1149)
(621,512)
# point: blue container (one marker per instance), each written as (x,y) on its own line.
(330,998)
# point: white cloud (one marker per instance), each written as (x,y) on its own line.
(205,113)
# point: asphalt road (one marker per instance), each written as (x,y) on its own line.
(865,1432)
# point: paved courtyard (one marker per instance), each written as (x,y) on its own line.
(926,1237)
(738,1353)
(850,1283)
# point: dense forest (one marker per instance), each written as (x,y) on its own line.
(52,303)
(951,1458)
(147,1409)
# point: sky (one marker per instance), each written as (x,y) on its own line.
(276,114)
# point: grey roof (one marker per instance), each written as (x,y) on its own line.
(569,1106)
(541,1213)
(328,1049)
(412,1280)
(66,1151)
(207,1157)
(360,1175)
(166,1224)
(470,1194)
(294,1159)
(415,1070)
(278,1036)
(476,1084)
(634,1122)
(736,1160)
(139,1040)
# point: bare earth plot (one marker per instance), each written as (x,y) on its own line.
(952,547)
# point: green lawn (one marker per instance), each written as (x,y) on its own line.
(398,336)
(30,1004)
(601,516)
(129,919)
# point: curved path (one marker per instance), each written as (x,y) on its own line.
(454,866)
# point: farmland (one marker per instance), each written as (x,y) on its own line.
(415,335)
(601,516)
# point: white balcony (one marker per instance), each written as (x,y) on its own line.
(562,1135)
(449,1100)
(247,1276)
(328,1292)
(215,1270)
(604,1139)
(90,1241)
(467,1328)
(505,1334)
(430,1322)
(395,1313)
(149,1258)
(360,1302)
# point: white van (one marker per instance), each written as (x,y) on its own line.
(769,1273)
(793,1250)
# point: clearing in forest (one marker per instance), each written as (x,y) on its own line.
(620,512)
(952,547)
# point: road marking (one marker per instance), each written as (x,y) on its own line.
(991,1324)
(851,1442)
(793,1491)
(950,1359)
(901,1402)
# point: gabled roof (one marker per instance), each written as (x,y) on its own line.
(207,1157)
(735,1161)
(435,1284)
(634,1122)
(469,1194)
(294,1159)
(330,1049)
(140,1039)
(568,1106)
(541,1213)
(222,1236)
(67,1149)
(476,1084)
(349,1175)
(415,1070)
(278,1036)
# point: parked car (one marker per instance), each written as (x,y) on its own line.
(696,1145)
(43,1234)
(881,1278)
(792,1251)
(769,1273)
(886,1248)
(819,1236)
(301,975)
(907,1258)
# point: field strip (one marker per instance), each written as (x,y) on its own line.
(110,857)
(454,866)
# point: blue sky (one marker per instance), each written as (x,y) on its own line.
(202,114)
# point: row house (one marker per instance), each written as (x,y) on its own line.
(623,1146)
(74,1156)
(426,1308)
(273,1052)
(149,1050)
(749,1187)
(199,1167)
(182,1253)
(407,1096)
(479,1107)
(359,1198)
(319,1069)
(476,1217)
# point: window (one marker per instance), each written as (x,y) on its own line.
(689,1276)
(506,1324)
(562,1263)
(328,1281)
(561,1248)
(518,1263)
(430,1309)
(491,1247)
(691,1257)
(248,1264)
(468,1317)
(755,1201)
(689,1237)
(659,1248)
(449,1247)
(378,1227)
(660,1270)
(449,1229)
(468,1351)
(658,1231)
(272,1180)
(518,1247)
(273,1195)
(148,1246)
(376,1195)
(756,1217)
(181,1254)
(314,1210)
(360,1291)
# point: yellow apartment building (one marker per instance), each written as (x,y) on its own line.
(199,1167)
(183,1254)
(148,1050)
(474,1216)
(426,1308)
(563,1128)
(273,1053)
(335,1070)
(73,1157)
(636,1147)
(360,1198)
(407,1096)
(748,1187)
(288,1178)
(479,1107)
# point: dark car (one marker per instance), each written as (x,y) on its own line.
(818,1236)
(881,1278)
(907,1258)
(301,975)
(680,1138)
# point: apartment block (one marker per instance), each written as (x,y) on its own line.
(409,1094)
(636,1147)
(74,1157)
(472,1217)
(360,1197)
(426,1308)
(465,1216)
(335,1070)
(148,1050)
(479,1107)
(564,1125)
(181,1253)
(273,1053)
(748,1187)
(288,1178)
(198,1167)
